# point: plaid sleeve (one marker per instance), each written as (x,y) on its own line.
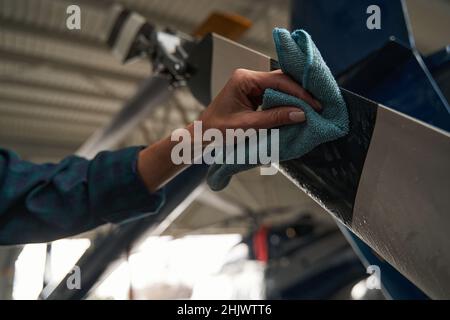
(44,202)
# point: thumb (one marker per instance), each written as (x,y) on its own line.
(277,117)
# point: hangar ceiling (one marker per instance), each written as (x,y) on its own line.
(59,85)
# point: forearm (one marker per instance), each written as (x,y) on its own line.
(155,165)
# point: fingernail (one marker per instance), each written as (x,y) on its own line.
(297,116)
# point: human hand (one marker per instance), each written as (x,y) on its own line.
(235,106)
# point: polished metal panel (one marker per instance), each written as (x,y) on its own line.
(402,207)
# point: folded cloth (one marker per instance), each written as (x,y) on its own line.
(300,59)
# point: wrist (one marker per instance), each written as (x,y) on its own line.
(196,130)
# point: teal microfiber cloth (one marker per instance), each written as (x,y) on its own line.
(301,60)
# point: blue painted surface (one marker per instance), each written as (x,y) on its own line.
(411,90)
(405,84)
(398,78)
(340,32)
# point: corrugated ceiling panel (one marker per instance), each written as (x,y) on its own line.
(57,85)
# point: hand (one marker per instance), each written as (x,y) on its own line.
(235,106)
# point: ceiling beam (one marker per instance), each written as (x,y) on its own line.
(219,202)
(42,132)
(49,113)
(69,105)
(60,64)
(38,147)
(25,84)
(46,33)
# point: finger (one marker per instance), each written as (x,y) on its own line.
(275,117)
(282,82)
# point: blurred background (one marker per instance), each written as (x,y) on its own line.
(260,238)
